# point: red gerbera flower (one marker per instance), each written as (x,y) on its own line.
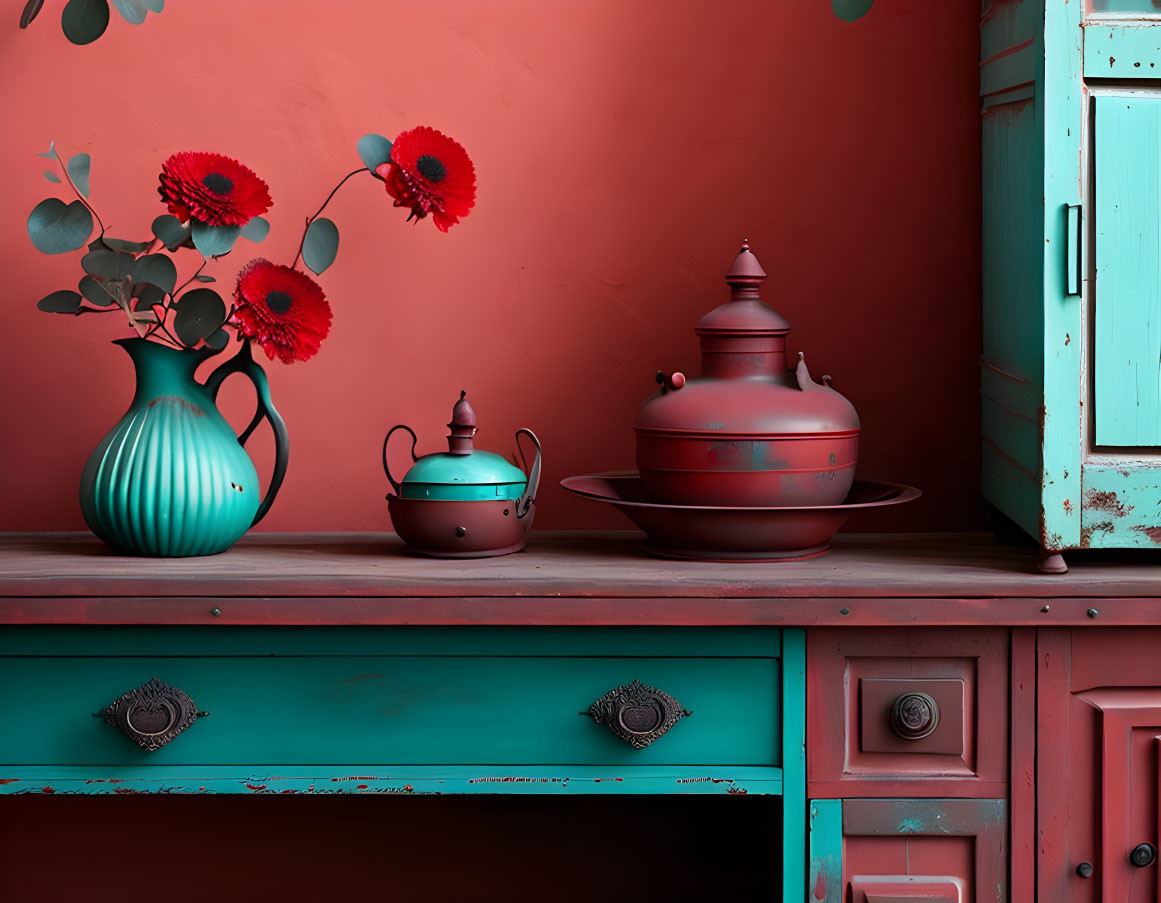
(216,190)
(430,173)
(285,310)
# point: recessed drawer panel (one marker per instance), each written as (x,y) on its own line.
(897,711)
(400,695)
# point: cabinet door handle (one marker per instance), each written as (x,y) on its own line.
(637,713)
(152,715)
(1085,870)
(1074,236)
(1142,855)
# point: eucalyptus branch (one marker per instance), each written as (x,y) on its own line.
(318,213)
(173,295)
(77,192)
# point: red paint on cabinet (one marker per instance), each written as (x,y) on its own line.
(853,750)
(1100,755)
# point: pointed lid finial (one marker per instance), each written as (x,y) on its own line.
(751,317)
(462,426)
(746,271)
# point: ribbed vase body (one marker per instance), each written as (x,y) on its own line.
(170,479)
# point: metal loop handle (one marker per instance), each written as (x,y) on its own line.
(243,362)
(387,467)
(528,498)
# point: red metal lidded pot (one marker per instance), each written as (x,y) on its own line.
(750,432)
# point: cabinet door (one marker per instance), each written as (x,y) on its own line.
(903,850)
(1100,753)
(1127,293)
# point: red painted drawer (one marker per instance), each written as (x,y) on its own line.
(900,712)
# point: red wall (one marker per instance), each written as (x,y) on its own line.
(623,150)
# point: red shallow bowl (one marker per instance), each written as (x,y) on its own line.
(707,533)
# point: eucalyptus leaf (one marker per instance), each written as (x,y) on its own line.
(198,314)
(78,169)
(50,154)
(62,302)
(106,264)
(218,340)
(169,230)
(95,292)
(147,295)
(52,176)
(320,245)
(214,241)
(850,10)
(201,278)
(129,247)
(31,8)
(373,150)
(57,228)
(156,269)
(133,11)
(257,229)
(84,21)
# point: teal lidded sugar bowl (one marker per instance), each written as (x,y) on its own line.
(465,502)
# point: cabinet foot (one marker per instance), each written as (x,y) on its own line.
(1051,562)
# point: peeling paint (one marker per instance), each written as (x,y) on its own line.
(1105,526)
(1154,533)
(1105,500)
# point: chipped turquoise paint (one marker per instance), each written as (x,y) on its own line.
(1123,50)
(170,479)
(557,780)
(794,820)
(1033,328)
(825,881)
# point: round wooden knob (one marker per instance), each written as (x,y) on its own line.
(1143,855)
(914,716)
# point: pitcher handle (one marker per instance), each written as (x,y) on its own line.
(524,503)
(243,362)
(387,467)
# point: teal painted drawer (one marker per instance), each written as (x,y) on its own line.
(416,696)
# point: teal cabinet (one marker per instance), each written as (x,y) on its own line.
(1071,364)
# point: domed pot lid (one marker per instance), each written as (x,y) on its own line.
(462,473)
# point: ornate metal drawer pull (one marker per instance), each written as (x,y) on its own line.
(636,713)
(152,715)
(915,716)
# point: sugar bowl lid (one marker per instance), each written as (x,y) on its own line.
(463,472)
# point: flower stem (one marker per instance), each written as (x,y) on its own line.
(318,213)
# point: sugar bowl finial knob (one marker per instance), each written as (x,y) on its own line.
(462,426)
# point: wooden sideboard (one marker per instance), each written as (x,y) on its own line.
(929,718)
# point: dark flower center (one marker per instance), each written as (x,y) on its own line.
(279,302)
(218,183)
(431,168)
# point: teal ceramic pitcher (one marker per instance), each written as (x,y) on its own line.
(171,479)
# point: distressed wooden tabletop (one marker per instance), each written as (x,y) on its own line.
(566,579)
